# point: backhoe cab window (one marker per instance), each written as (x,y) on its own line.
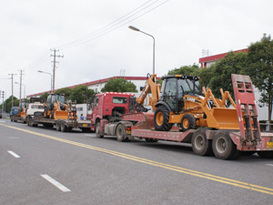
(119,100)
(61,99)
(186,86)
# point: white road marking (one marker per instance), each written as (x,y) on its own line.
(270,165)
(55,183)
(14,154)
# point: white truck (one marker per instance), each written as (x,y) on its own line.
(31,110)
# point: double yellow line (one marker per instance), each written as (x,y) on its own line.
(194,173)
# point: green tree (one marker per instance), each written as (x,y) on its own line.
(185,70)
(66,92)
(81,94)
(119,85)
(260,69)
(44,96)
(8,103)
(219,75)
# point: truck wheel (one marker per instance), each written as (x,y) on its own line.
(99,133)
(188,122)
(265,154)
(63,127)
(161,119)
(223,147)
(120,132)
(58,126)
(200,144)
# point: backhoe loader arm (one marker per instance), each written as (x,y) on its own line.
(155,91)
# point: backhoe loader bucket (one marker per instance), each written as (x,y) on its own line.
(223,118)
(60,115)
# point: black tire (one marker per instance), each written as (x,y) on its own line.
(28,121)
(63,127)
(265,154)
(58,126)
(161,119)
(200,144)
(223,147)
(121,133)
(99,133)
(188,122)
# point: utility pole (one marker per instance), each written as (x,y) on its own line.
(54,55)
(21,73)
(3,102)
(12,74)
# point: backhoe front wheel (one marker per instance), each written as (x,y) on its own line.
(188,122)
(161,119)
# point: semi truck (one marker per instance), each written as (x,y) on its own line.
(184,113)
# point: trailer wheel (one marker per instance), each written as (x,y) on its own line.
(188,122)
(223,147)
(58,126)
(200,144)
(120,132)
(99,133)
(265,154)
(63,127)
(161,119)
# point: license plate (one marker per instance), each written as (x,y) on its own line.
(84,125)
(269,145)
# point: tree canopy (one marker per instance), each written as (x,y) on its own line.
(119,85)
(185,70)
(81,94)
(260,69)
(7,103)
(219,75)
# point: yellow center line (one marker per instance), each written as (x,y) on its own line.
(203,175)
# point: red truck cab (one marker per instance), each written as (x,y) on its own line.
(110,106)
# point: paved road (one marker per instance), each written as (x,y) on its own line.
(43,166)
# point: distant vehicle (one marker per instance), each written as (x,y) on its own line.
(13,114)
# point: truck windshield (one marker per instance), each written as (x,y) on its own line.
(37,107)
(119,100)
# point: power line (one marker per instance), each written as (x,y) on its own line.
(125,19)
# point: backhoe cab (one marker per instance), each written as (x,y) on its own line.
(55,107)
(182,101)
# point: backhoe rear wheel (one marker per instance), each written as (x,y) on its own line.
(161,119)
(188,122)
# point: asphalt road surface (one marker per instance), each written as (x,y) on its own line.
(43,166)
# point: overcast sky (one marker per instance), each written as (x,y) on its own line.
(94,38)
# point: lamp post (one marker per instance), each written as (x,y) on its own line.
(40,71)
(138,30)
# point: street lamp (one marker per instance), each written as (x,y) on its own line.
(138,30)
(40,71)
